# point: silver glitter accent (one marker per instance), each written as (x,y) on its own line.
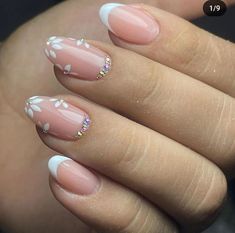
(105,69)
(85,126)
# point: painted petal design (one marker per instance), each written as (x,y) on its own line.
(56,41)
(87,45)
(30,113)
(57,46)
(52,53)
(52,38)
(52,100)
(49,41)
(65,105)
(26,110)
(79,42)
(33,97)
(35,108)
(36,101)
(46,127)
(57,104)
(67,68)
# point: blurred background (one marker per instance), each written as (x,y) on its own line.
(15,12)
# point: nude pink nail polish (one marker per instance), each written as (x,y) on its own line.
(78,58)
(129,23)
(57,117)
(73,176)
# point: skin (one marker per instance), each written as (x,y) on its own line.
(27,204)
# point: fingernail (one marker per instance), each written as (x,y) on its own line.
(129,23)
(78,58)
(72,176)
(57,117)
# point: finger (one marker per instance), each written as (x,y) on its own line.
(102,203)
(72,11)
(181,45)
(184,184)
(152,94)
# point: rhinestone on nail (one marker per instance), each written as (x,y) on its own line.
(105,69)
(85,126)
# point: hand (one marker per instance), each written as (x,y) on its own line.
(24,72)
(166,164)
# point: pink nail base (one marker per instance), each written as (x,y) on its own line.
(78,58)
(57,117)
(73,177)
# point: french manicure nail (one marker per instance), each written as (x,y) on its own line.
(129,23)
(72,176)
(57,117)
(78,58)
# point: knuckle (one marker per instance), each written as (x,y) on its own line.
(185,46)
(214,195)
(129,148)
(216,136)
(128,220)
(136,151)
(143,219)
(212,53)
(126,216)
(221,143)
(153,84)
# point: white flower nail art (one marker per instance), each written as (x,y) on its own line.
(51,38)
(36,100)
(54,40)
(67,69)
(32,106)
(59,103)
(46,127)
(83,42)
(57,46)
(30,113)
(33,97)
(52,53)
(35,108)
(65,105)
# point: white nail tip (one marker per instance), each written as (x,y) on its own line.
(105,11)
(54,163)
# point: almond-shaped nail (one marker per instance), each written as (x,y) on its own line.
(78,58)
(57,117)
(73,176)
(129,23)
